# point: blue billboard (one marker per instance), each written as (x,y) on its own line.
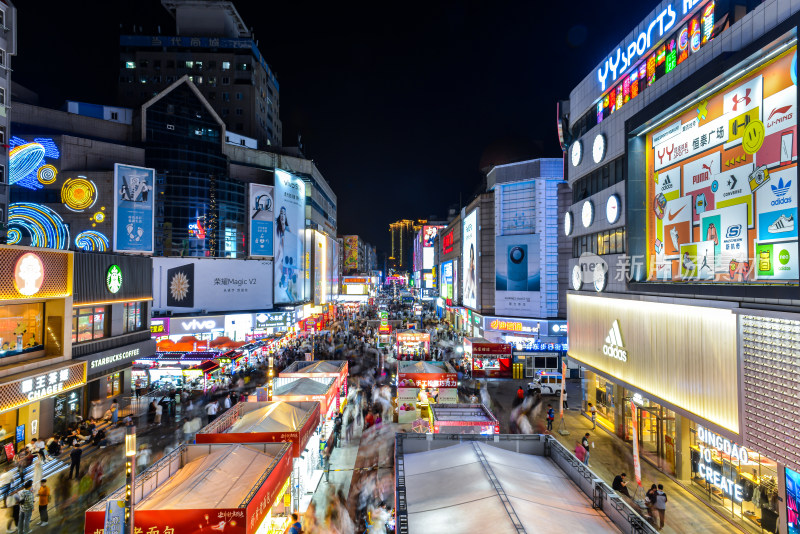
(261,223)
(134,197)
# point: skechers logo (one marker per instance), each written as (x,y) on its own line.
(733,231)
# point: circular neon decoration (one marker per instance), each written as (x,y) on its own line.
(568,223)
(14,236)
(28,274)
(79,193)
(577,278)
(24,159)
(92,241)
(44,226)
(47,174)
(612,209)
(587,213)
(114,278)
(99,216)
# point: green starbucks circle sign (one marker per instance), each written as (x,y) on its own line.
(114,278)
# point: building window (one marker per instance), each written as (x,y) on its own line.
(113,386)
(157,63)
(225,112)
(3,19)
(239,111)
(2,135)
(239,96)
(130,64)
(89,323)
(189,64)
(226,97)
(226,65)
(143,79)
(226,80)
(143,63)
(2,173)
(132,316)
(198,65)
(601,243)
(114,116)
(243,66)
(170,63)
(21,328)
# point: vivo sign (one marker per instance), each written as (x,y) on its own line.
(194,324)
(624,57)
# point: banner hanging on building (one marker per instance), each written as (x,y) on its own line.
(261,223)
(637,466)
(290,218)
(134,196)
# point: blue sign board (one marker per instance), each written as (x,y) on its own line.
(261,220)
(134,197)
(20,433)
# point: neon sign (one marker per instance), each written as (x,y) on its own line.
(29,274)
(447,242)
(709,470)
(26,162)
(44,227)
(622,58)
(114,278)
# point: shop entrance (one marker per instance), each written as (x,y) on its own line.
(656,432)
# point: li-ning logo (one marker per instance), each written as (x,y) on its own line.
(779,111)
(614,347)
(738,100)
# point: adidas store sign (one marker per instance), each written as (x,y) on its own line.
(614,347)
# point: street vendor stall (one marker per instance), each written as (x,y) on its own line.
(463,419)
(413,345)
(321,390)
(275,422)
(216,487)
(422,383)
(486,359)
(336,369)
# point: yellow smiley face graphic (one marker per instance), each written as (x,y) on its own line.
(753,137)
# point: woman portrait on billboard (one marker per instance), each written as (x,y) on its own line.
(281,227)
(469,283)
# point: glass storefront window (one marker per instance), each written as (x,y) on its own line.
(21,328)
(604,399)
(132,316)
(89,323)
(731,478)
(657,431)
(113,385)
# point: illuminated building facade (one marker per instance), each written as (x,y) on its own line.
(682,309)
(216,49)
(402,244)
(8,48)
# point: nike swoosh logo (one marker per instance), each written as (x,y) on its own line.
(673,215)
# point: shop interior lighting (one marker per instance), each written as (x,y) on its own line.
(728,80)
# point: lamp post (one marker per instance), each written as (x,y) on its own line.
(270,376)
(130,474)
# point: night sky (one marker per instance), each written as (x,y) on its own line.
(400,105)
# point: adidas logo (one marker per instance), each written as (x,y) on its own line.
(781,189)
(667,184)
(614,347)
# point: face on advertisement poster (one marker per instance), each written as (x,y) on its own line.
(133,208)
(470,259)
(290,202)
(261,220)
(722,184)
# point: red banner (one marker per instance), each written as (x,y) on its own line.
(299,439)
(427,380)
(491,349)
(267,494)
(637,466)
(202,521)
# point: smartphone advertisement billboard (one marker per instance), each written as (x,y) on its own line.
(517,270)
(290,219)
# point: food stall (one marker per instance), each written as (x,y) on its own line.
(487,359)
(321,390)
(181,492)
(336,369)
(276,422)
(413,345)
(419,383)
(463,419)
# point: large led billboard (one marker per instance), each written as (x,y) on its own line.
(446,286)
(722,184)
(470,260)
(517,271)
(290,218)
(261,220)
(350,253)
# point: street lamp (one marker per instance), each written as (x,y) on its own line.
(130,474)
(270,376)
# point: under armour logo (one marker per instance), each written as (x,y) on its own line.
(746,99)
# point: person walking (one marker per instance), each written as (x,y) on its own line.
(75,462)
(44,500)
(14,517)
(586,444)
(5,484)
(114,412)
(593,413)
(551,415)
(159,412)
(660,505)
(26,503)
(566,406)
(211,410)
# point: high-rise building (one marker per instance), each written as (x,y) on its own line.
(8,48)
(214,47)
(682,159)
(403,233)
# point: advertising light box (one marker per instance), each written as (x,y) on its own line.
(470,258)
(187,285)
(722,184)
(290,218)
